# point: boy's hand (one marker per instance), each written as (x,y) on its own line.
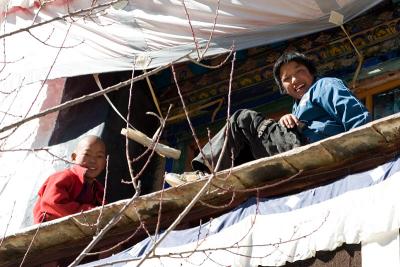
(289,121)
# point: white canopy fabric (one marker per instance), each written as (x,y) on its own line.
(147,33)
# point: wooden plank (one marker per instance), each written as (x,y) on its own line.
(360,141)
(317,155)
(259,171)
(389,127)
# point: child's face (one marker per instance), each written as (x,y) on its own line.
(296,79)
(91,154)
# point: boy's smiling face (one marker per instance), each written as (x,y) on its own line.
(91,154)
(296,79)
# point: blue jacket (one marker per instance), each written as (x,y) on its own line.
(329,108)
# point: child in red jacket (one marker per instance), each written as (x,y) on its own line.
(75,189)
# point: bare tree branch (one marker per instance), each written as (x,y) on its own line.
(45,149)
(128,159)
(103,231)
(118,244)
(212,31)
(33,239)
(104,197)
(63,17)
(8,224)
(84,98)
(43,83)
(196,44)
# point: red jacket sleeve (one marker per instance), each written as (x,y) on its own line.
(57,198)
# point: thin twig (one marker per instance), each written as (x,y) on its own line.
(118,244)
(155,143)
(211,66)
(8,224)
(159,211)
(10,115)
(33,239)
(103,231)
(53,46)
(185,110)
(196,44)
(228,114)
(4,41)
(98,82)
(142,222)
(128,159)
(12,102)
(212,31)
(104,196)
(43,82)
(63,17)
(45,149)
(220,206)
(86,223)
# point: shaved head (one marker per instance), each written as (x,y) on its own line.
(90,153)
(90,140)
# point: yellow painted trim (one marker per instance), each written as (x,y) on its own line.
(364,93)
(369,103)
(369,93)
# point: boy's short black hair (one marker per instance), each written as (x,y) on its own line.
(288,57)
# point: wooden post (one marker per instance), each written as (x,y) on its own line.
(143,139)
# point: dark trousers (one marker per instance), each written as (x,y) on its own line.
(248,130)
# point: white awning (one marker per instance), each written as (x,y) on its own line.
(148,33)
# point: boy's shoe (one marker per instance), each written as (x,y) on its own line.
(175,179)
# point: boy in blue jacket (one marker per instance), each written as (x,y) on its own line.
(322,108)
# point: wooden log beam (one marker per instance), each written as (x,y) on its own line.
(146,141)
